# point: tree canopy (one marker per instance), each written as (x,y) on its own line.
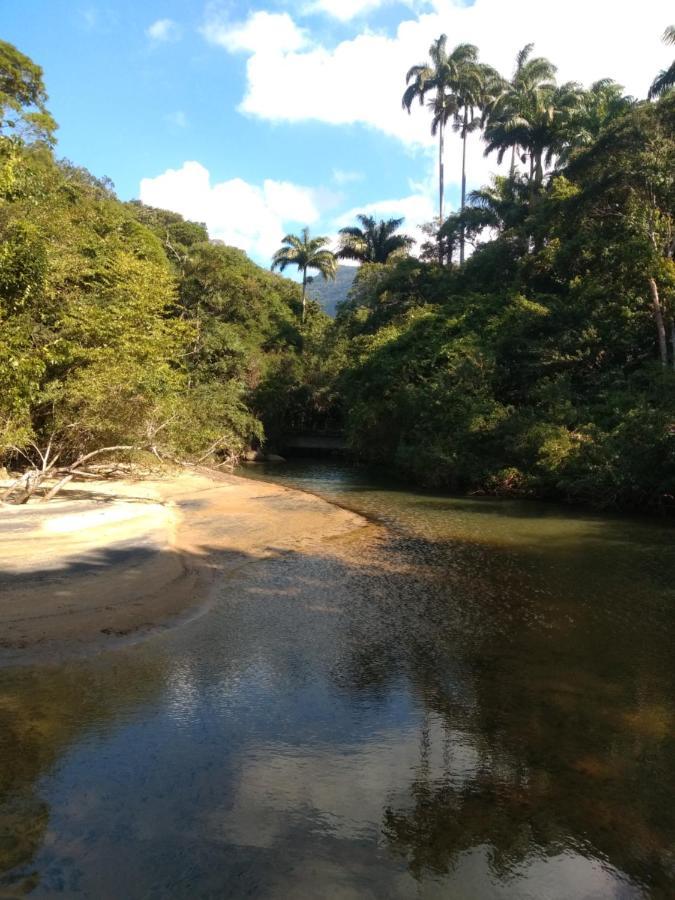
(23,98)
(123,325)
(306,253)
(373,241)
(665,80)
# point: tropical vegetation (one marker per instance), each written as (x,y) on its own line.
(121,326)
(527,346)
(306,253)
(544,365)
(373,242)
(461,87)
(665,80)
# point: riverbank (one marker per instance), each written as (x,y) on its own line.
(112,560)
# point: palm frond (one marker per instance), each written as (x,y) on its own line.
(374,242)
(663,82)
(523,55)
(306,253)
(367,222)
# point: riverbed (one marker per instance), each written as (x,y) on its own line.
(470,698)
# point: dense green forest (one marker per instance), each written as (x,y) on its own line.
(121,325)
(529,348)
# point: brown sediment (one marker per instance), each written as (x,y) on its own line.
(115,559)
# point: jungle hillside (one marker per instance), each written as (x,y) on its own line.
(525,347)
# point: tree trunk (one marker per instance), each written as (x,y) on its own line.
(52,492)
(21,490)
(304,293)
(461,233)
(672,342)
(441,185)
(539,170)
(441,189)
(660,324)
(513,160)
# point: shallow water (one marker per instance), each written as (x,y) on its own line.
(473,699)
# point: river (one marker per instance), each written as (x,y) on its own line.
(470,699)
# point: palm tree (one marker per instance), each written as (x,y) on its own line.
(665,80)
(442,106)
(463,227)
(600,105)
(442,74)
(305,253)
(506,128)
(374,242)
(532,116)
(549,120)
(476,88)
(502,204)
(462,86)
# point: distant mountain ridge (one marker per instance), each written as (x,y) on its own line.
(329,293)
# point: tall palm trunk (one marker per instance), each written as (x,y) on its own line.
(304,293)
(461,234)
(539,170)
(441,186)
(441,176)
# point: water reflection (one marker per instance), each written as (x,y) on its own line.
(473,704)
(43,713)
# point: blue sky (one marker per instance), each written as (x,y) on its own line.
(261,117)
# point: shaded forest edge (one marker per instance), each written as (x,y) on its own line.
(542,365)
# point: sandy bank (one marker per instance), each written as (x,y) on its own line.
(114,559)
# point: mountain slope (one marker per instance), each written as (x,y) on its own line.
(330,293)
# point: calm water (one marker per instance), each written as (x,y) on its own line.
(474,699)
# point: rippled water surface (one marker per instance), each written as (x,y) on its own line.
(472,699)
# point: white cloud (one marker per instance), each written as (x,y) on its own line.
(416,209)
(342,176)
(361,80)
(344,10)
(252,217)
(164,31)
(262,33)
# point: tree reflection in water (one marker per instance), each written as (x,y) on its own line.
(469,702)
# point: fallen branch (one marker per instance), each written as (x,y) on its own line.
(52,492)
(70,472)
(22,489)
(87,456)
(212,449)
